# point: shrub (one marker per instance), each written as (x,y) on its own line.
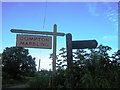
(40,81)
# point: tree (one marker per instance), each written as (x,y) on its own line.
(93,68)
(16,61)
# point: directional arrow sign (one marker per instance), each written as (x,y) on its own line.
(83,44)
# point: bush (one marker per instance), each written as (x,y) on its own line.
(39,82)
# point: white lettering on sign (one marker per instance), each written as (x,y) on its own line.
(32,41)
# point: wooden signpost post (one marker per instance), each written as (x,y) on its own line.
(75,45)
(83,44)
(69,50)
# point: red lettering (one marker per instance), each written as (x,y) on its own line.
(21,43)
(30,43)
(33,44)
(26,43)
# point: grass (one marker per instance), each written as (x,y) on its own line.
(12,82)
(39,82)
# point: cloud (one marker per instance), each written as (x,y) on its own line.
(110,37)
(92,7)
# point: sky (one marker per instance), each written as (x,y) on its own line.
(84,20)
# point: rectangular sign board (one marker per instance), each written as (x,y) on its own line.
(83,44)
(33,41)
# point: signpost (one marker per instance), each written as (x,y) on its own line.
(32,41)
(54,34)
(76,45)
(83,44)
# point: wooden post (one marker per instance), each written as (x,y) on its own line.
(39,65)
(54,47)
(54,54)
(69,60)
(69,50)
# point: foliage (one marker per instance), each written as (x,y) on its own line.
(8,81)
(93,68)
(41,80)
(17,62)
